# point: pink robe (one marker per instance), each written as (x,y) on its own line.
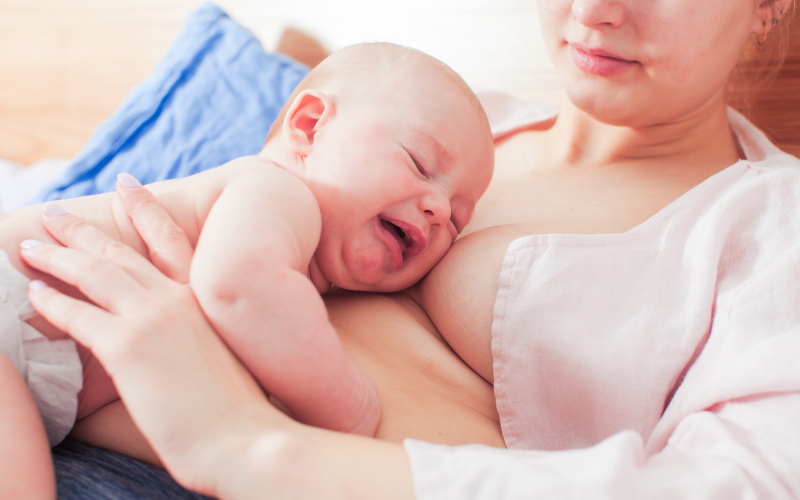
(659,363)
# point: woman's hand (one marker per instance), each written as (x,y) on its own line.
(200,410)
(181,385)
(169,248)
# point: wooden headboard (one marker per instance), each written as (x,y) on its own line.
(66,65)
(773,104)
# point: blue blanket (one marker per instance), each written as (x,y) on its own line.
(211,99)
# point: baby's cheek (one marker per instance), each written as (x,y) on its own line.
(364,264)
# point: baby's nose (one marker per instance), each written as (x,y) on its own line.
(436,205)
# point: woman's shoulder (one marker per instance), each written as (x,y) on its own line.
(769,182)
(760,152)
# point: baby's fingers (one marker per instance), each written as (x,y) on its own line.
(102,281)
(82,321)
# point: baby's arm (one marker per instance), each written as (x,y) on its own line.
(249,276)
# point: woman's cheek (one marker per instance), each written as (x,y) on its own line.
(553,18)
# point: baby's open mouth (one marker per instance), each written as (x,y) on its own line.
(402,237)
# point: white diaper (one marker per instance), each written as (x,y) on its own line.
(51,368)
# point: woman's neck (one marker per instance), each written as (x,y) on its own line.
(700,138)
(585,177)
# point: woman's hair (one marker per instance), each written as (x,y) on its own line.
(765,84)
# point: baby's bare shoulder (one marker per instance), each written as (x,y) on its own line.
(189,200)
(270,179)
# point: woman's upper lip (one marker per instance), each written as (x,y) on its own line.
(598,52)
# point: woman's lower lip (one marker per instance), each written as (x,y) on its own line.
(598,65)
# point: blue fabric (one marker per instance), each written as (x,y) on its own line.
(211,99)
(87,473)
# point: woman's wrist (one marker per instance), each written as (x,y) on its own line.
(249,464)
(294,461)
(243,452)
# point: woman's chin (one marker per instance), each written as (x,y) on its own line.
(610,108)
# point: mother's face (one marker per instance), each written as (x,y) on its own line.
(643,62)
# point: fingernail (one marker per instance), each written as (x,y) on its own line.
(28,244)
(128,181)
(54,210)
(37,285)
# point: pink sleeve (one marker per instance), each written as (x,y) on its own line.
(742,450)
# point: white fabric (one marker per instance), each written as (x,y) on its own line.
(592,333)
(508,115)
(20,184)
(51,368)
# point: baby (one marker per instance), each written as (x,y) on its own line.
(368,174)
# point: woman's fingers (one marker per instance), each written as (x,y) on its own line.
(80,320)
(170,249)
(101,280)
(78,234)
(185,390)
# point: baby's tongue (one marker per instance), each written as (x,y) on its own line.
(397,233)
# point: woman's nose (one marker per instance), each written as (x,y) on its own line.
(594,13)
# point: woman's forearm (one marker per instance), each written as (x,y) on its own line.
(299,462)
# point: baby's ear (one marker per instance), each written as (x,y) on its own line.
(310,110)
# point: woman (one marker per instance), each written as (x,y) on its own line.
(643,322)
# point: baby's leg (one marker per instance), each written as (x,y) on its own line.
(26,469)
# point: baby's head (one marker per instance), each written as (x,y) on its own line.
(396,149)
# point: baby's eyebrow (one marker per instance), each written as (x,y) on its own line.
(434,147)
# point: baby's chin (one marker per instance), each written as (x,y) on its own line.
(357,274)
(382,284)
(368,272)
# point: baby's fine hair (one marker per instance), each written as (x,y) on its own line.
(342,71)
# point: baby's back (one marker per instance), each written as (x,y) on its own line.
(26,223)
(187,201)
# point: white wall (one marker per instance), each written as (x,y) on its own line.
(65,65)
(493,44)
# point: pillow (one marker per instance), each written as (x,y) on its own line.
(211,99)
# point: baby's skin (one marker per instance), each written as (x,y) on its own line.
(370,172)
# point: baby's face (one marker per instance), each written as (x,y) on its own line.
(397,175)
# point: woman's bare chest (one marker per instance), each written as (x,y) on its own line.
(459,294)
(426,391)
(576,200)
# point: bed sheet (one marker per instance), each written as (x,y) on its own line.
(20,184)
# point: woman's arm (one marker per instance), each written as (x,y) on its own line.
(238,446)
(205,417)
